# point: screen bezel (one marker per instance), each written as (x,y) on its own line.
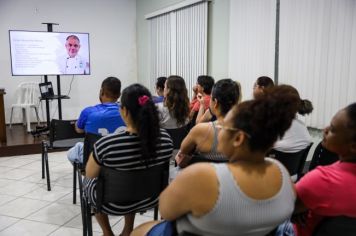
(46,32)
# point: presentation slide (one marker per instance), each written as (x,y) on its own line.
(49,53)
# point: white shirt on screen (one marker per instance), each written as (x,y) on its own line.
(75,65)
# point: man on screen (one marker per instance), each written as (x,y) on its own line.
(74,63)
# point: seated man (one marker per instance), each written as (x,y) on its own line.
(202,92)
(159,90)
(101,119)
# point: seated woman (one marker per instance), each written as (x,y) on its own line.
(262,83)
(208,115)
(330,190)
(174,111)
(203,138)
(142,144)
(297,137)
(251,194)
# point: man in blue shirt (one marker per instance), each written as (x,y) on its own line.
(103,118)
(160,82)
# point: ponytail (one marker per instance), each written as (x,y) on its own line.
(138,101)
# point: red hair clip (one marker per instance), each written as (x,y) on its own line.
(142,100)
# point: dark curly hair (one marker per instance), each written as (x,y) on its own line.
(177,100)
(305,106)
(206,82)
(227,93)
(265,81)
(351,113)
(267,117)
(144,117)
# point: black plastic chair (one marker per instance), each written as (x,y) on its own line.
(178,135)
(322,157)
(294,162)
(335,226)
(123,187)
(79,168)
(62,135)
(201,158)
(185,233)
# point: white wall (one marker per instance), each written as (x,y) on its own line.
(112,28)
(252,41)
(218,37)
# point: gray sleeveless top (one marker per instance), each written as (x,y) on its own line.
(237,214)
(213,154)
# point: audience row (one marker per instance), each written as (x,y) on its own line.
(248,193)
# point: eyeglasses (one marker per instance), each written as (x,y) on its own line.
(232,129)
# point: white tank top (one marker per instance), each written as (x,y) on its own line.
(237,214)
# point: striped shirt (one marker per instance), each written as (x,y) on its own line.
(122,151)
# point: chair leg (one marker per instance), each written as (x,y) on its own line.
(12,110)
(37,116)
(155,213)
(82,202)
(75,169)
(83,205)
(89,222)
(27,115)
(47,168)
(23,116)
(43,159)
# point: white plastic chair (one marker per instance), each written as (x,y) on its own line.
(27,97)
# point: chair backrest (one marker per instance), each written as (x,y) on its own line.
(89,140)
(294,162)
(27,93)
(197,157)
(62,133)
(118,186)
(178,135)
(322,157)
(335,226)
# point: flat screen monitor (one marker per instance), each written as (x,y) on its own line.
(49,53)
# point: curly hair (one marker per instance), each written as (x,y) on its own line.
(265,81)
(305,106)
(351,113)
(144,117)
(267,117)
(227,93)
(177,100)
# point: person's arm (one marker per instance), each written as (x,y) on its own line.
(194,190)
(201,107)
(205,117)
(195,106)
(83,117)
(77,129)
(314,192)
(189,143)
(92,168)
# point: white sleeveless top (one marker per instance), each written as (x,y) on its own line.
(237,214)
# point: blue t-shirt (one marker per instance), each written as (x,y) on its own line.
(158,99)
(101,119)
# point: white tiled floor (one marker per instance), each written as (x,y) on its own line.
(27,208)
